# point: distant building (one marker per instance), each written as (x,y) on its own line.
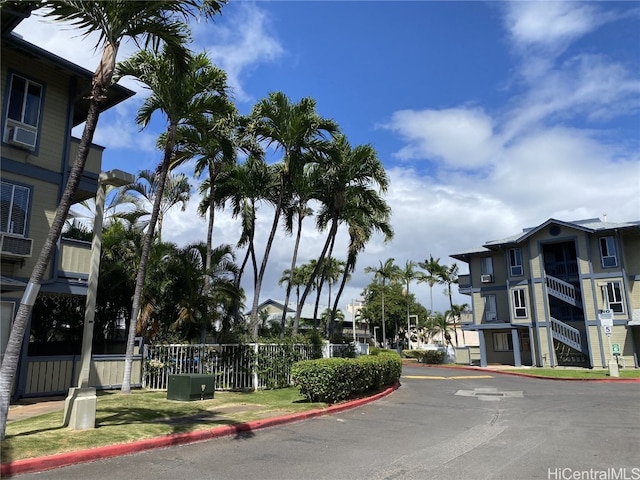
(538,296)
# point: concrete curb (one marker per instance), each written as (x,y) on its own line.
(50,462)
(527,375)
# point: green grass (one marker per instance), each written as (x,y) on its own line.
(574,373)
(145,414)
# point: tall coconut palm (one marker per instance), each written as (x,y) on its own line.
(346,173)
(296,208)
(177,191)
(433,269)
(294,129)
(448,276)
(364,219)
(408,274)
(180,96)
(387,271)
(150,22)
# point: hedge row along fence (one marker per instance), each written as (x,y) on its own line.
(425,356)
(332,380)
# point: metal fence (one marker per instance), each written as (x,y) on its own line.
(235,367)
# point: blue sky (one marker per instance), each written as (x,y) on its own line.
(489,116)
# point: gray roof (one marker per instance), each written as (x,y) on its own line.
(588,225)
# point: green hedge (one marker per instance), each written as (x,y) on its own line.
(425,356)
(331,380)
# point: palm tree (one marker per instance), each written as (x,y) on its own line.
(295,279)
(456,314)
(295,129)
(298,208)
(387,271)
(345,175)
(177,191)
(433,269)
(363,219)
(181,96)
(440,325)
(201,287)
(408,274)
(449,276)
(146,22)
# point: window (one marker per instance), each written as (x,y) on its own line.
(23,112)
(613,296)
(486,269)
(608,252)
(519,303)
(502,342)
(490,310)
(515,262)
(13,208)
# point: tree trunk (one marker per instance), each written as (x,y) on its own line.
(307,288)
(14,344)
(144,259)
(265,259)
(294,260)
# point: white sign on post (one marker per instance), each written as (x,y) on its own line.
(605,317)
(608,330)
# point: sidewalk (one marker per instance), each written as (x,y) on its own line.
(31,407)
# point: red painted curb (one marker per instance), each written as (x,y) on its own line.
(527,375)
(50,462)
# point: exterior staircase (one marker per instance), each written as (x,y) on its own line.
(567,340)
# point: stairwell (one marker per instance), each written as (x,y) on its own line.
(567,340)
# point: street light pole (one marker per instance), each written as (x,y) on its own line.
(80,404)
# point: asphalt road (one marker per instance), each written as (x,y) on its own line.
(440,424)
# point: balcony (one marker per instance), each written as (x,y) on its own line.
(15,247)
(74,259)
(464,284)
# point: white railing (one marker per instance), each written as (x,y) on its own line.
(236,367)
(566,334)
(563,290)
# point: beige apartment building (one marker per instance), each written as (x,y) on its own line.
(558,294)
(43,97)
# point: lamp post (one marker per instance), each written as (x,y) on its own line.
(80,404)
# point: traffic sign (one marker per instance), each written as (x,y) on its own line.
(606,317)
(608,330)
(615,348)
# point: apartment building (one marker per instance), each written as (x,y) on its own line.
(43,96)
(558,294)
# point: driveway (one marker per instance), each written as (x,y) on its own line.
(441,423)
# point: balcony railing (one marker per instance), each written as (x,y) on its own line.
(74,258)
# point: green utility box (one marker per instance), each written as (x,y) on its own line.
(190,387)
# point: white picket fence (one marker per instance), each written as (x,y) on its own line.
(236,367)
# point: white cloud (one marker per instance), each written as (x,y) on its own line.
(239,50)
(459,137)
(550,25)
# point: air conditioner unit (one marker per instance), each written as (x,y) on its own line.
(22,137)
(12,246)
(488,278)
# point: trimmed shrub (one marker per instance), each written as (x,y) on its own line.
(332,380)
(430,356)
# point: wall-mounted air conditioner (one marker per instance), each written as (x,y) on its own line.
(22,137)
(487,278)
(12,246)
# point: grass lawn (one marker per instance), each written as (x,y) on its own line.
(577,373)
(145,414)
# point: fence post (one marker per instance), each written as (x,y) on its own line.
(255,367)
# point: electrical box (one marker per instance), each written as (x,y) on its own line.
(188,387)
